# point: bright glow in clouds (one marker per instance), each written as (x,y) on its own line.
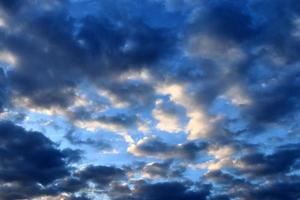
(222,158)
(199,124)
(212,48)
(166,121)
(7,57)
(143,75)
(237,96)
(96,125)
(2,22)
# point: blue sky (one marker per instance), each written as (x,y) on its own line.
(149,100)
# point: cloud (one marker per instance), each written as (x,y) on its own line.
(166,190)
(99,49)
(30,162)
(199,125)
(39,160)
(276,101)
(169,117)
(76,140)
(229,184)
(276,191)
(280,161)
(167,169)
(102,176)
(3,90)
(154,147)
(223,75)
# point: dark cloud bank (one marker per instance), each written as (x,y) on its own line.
(213,47)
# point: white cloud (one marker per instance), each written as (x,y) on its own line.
(208,47)
(200,124)
(237,96)
(2,22)
(8,57)
(113,99)
(167,121)
(222,158)
(142,75)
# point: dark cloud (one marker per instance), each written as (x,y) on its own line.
(134,93)
(102,176)
(166,190)
(152,146)
(270,15)
(167,169)
(221,197)
(231,186)
(118,47)
(120,191)
(81,197)
(224,178)
(11,5)
(3,90)
(121,119)
(245,42)
(221,52)
(72,156)
(30,162)
(29,156)
(277,191)
(64,51)
(69,185)
(280,161)
(76,140)
(224,19)
(278,100)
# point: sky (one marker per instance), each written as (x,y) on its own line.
(149,100)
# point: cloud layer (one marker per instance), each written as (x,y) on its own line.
(152,100)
